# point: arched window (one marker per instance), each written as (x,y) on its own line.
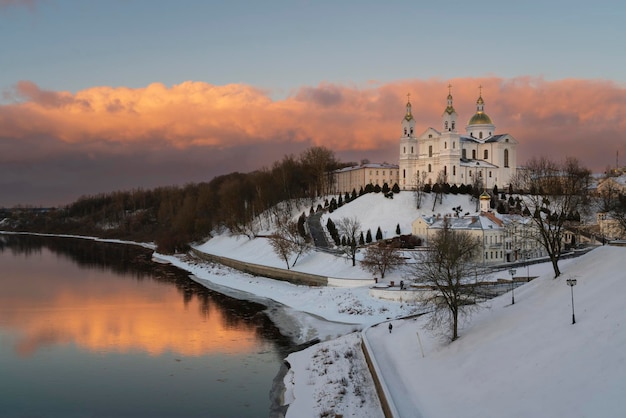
(411,150)
(403,174)
(480,135)
(464,153)
(445,170)
(429,168)
(445,145)
(454,170)
(404,150)
(452,125)
(446,125)
(486,153)
(506,157)
(430,150)
(473,154)
(404,131)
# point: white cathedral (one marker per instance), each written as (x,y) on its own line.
(454,156)
(479,154)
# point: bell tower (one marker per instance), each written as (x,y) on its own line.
(409,151)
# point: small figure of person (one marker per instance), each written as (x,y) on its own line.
(390,327)
(401,284)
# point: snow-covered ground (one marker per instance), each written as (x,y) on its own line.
(518,360)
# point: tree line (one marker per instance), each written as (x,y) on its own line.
(176,215)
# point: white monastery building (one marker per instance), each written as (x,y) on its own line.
(457,158)
(478,154)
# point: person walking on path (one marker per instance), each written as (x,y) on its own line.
(390,327)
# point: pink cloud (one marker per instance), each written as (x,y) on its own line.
(581,118)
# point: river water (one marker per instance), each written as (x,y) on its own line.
(91,329)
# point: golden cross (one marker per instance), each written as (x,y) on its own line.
(449,87)
(408,97)
(480,90)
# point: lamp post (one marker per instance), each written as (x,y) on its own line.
(571,283)
(512,272)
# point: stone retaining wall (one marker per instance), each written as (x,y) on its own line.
(291,276)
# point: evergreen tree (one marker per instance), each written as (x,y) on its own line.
(368,236)
(361,191)
(454,189)
(427,188)
(353,196)
(369,188)
(377,189)
(385,188)
(379,234)
(347,197)
(340,201)
(395,188)
(398,229)
(361,239)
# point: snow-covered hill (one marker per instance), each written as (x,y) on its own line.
(520,360)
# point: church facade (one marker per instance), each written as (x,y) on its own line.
(478,156)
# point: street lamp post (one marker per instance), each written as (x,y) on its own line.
(512,272)
(571,283)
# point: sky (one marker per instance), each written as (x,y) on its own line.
(122,94)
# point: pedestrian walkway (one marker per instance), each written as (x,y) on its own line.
(317,231)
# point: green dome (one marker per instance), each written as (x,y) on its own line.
(480,118)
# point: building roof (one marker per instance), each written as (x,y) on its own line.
(480,118)
(368,165)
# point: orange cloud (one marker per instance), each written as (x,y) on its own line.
(582,118)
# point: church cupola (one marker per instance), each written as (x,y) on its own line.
(480,125)
(408,122)
(449,115)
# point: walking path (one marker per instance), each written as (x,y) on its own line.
(317,231)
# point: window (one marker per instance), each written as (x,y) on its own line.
(464,154)
(453,145)
(383,172)
(480,135)
(489,173)
(473,154)
(411,131)
(506,157)
(445,145)
(445,169)
(376,172)
(404,150)
(411,150)
(430,135)
(430,150)
(429,168)
(404,131)
(454,170)
(486,153)
(403,174)
(370,172)
(446,125)
(452,125)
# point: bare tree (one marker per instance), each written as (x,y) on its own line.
(420,182)
(442,178)
(287,241)
(381,258)
(351,229)
(317,163)
(558,194)
(612,201)
(449,268)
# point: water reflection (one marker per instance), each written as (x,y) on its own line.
(104,312)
